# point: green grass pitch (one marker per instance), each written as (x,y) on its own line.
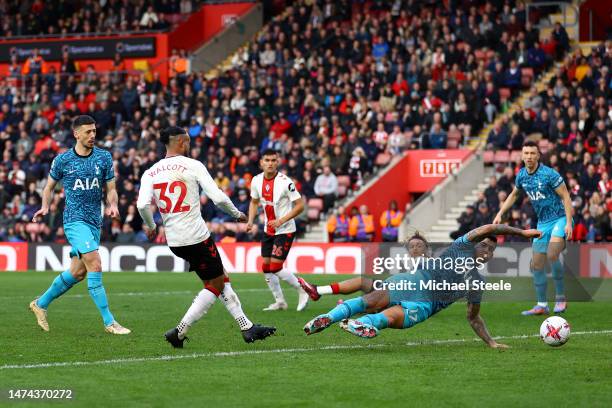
(437,363)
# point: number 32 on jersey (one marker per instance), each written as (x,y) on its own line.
(172,204)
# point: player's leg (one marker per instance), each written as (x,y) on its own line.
(538,269)
(60,285)
(250,331)
(372,301)
(346,287)
(280,250)
(272,280)
(369,325)
(86,243)
(556,246)
(200,305)
(402,316)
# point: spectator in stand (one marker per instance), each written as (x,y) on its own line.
(390,220)
(361,226)
(338,226)
(326,188)
(314,68)
(437,137)
(35,65)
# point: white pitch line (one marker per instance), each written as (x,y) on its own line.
(255,352)
(164,293)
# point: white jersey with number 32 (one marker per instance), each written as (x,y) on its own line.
(276,196)
(174,184)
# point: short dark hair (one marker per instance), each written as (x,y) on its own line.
(82,120)
(531,143)
(491,237)
(417,235)
(167,133)
(269,152)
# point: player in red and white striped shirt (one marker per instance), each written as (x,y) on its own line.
(281,203)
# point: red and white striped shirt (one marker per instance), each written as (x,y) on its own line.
(276,196)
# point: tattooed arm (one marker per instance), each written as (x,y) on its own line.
(479,327)
(478,234)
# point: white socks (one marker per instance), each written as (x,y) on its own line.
(202,302)
(274,285)
(325,290)
(289,278)
(230,300)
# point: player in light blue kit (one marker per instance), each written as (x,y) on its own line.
(404,306)
(553,206)
(83,171)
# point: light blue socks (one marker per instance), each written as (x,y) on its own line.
(59,286)
(98,294)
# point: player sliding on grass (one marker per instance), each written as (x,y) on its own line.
(553,206)
(405,308)
(83,170)
(417,246)
(281,203)
(174,183)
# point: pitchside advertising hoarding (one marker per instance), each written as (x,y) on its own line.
(510,260)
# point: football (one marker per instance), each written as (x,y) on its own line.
(555,331)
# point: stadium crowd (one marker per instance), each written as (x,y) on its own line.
(572,121)
(60,17)
(336,87)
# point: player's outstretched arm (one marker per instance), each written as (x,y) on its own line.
(479,326)
(298,207)
(567,205)
(112,199)
(506,205)
(46,199)
(143,204)
(253,206)
(212,191)
(480,233)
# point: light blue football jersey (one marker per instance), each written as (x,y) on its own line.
(540,188)
(83,178)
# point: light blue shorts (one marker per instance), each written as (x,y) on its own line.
(416,312)
(554,228)
(83,237)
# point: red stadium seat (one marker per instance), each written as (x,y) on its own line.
(313,214)
(344,181)
(452,144)
(488,156)
(315,203)
(382,159)
(515,156)
(502,156)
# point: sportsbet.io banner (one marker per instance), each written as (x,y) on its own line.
(98,48)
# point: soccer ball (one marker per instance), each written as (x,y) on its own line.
(555,331)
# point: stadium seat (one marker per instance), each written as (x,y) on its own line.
(488,156)
(313,214)
(452,144)
(505,93)
(515,156)
(344,181)
(382,159)
(342,190)
(316,203)
(502,156)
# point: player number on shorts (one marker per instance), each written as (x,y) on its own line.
(178,206)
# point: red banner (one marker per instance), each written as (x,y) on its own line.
(13,256)
(596,260)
